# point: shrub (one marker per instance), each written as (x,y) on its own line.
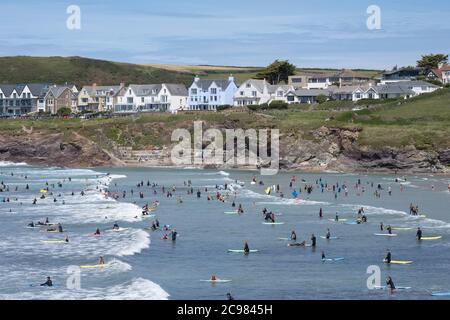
(224,107)
(322,98)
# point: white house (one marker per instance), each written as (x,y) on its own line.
(209,94)
(151,98)
(256,92)
(22,99)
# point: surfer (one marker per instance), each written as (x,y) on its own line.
(328,235)
(31,224)
(320,213)
(293,236)
(47,283)
(390,283)
(313,240)
(101,260)
(246,248)
(388,257)
(336,218)
(419,234)
(229,296)
(97,232)
(116,226)
(389,229)
(67,239)
(213,278)
(381,226)
(174,234)
(60,228)
(323,256)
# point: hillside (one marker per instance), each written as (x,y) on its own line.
(409,136)
(82,71)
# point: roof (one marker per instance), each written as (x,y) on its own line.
(177,89)
(258,84)
(36,89)
(205,84)
(145,89)
(92,90)
(57,91)
(310,92)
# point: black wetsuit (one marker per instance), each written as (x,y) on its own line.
(388,258)
(47,283)
(246,249)
(174,235)
(313,241)
(419,234)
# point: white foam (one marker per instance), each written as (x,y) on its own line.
(136,289)
(12,164)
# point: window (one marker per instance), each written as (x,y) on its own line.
(280,93)
(241,93)
(248,85)
(213,90)
(194,92)
(142,99)
(254,93)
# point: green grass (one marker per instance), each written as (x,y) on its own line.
(423,122)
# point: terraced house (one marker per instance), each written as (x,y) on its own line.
(97,98)
(20,99)
(210,94)
(255,92)
(58,97)
(151,98)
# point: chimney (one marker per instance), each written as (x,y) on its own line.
(196,79)
(122,84)
(231,78)
(94,84)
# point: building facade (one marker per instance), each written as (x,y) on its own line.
(210,94)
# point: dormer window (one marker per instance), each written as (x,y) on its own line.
(248,85)
(213,90)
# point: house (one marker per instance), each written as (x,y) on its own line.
(355,93)
(308,96)
(58,97)
(151,98)
(97,98)
(256,92)
(325,79)
(441,74)
(209,94)
(402,74)
(21,99)
(405,89)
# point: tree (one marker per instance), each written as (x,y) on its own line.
(432,61)
(321,98)
(278,71)
(64,112)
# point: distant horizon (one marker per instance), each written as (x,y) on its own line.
(323,34)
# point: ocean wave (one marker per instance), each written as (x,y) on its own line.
(135,289)
(12,164)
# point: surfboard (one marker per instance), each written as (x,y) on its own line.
(273,223)
(241,251)
(401,228)
(297,244)
(231,212)
(351,222)
(386,234)
(94,266)
(440,294)
(333,220)
(431,238)
(118,230)
(386,287)
(54,241)
(398,262)
(332,259)
(216,281)
(284,239)
(331,238)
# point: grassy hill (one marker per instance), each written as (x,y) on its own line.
(82,71)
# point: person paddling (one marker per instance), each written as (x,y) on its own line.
(313,240)
(246,248)
(388,258)
(48,283)
(293,236)
(390,283)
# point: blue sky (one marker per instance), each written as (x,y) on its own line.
(321,33)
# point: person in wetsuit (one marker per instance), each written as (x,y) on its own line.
(229,296)
(97,232)
(174,234)
(116,226)
(293,236)
(313,240)
(419,234)
(60,228)
(390,283)
(388,258)
(328,235)
(246,248)
(47,283)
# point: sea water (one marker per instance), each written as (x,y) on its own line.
(145,267)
